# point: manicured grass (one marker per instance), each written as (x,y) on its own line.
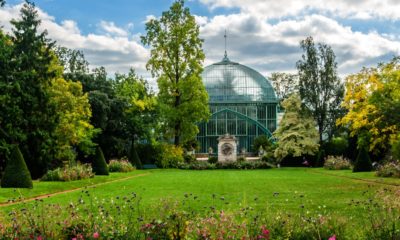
(288,189)
(41,188)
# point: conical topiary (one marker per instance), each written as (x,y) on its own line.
(16,174)
(134,158)
(363,162)
(99,164)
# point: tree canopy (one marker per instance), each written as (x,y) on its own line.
(176,59)
(296,134)
(320,88)
(373,103)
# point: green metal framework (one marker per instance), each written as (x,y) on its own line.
(242,103)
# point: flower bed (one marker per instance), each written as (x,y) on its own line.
(337,163)
(120,166)
(205,165)
(69,173)
(390,169)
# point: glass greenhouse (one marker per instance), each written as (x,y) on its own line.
(242,103)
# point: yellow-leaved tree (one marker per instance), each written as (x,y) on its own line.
(372,100)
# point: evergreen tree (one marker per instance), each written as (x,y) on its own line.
(134,157)
(32,119)
(99,164)
(176,59)
(321,90)
(363,162)
(296,134)
(16,174)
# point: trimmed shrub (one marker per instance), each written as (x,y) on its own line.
(134,158)
(69,173)
(363,162)
(99,163)
(212,159)
(390,169)
(16,173)
(120,166)
(337,163)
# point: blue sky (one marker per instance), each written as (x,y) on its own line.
(263,34)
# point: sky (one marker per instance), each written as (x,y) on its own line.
(262,34)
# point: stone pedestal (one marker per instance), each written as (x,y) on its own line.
(227,146)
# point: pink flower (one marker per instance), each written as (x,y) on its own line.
(96,235)
(74,239)
(333,237)
(39,238)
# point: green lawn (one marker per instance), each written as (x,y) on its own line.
(312,188)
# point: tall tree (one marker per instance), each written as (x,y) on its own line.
(284,84)
(296,134)
(320,88)
(176,61)
(373,103)
(33,121)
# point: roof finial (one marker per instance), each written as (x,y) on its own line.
(225,55)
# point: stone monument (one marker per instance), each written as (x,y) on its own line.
(227,145)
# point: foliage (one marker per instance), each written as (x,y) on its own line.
(16,174)
(212,159)
(373,103)
(261,141)
(27,115)
(139,101)
(69,173)
(73,128)
(122,165)
(170,156)
(205,165)
(176,59)
(296,135)
(148,152)
(74,61)
(337,163)
(336,146)
(389,169)
(284,84)
(363,162)
(189,158)
(320,88)
(99,164)
(134,157)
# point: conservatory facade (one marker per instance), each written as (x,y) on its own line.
(242,103)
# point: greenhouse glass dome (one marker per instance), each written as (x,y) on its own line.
(242,103)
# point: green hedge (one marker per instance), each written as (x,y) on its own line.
(363,162)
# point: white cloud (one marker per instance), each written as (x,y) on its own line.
(111,29)
(113,49)
(275,47)
(385,9)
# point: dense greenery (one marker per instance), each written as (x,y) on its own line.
(16,174)
(320,88)
(134,157)
(176,61)
(373,103)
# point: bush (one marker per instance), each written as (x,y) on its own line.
(261,141)
(16,173)
(390,169)
(203,165)
(189,158)
(212,159)
(99,163)
(363,162)
(69,173)
(134,158)
(148,153)
(169,156)
(336,147)
(337,163)
(120,166)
